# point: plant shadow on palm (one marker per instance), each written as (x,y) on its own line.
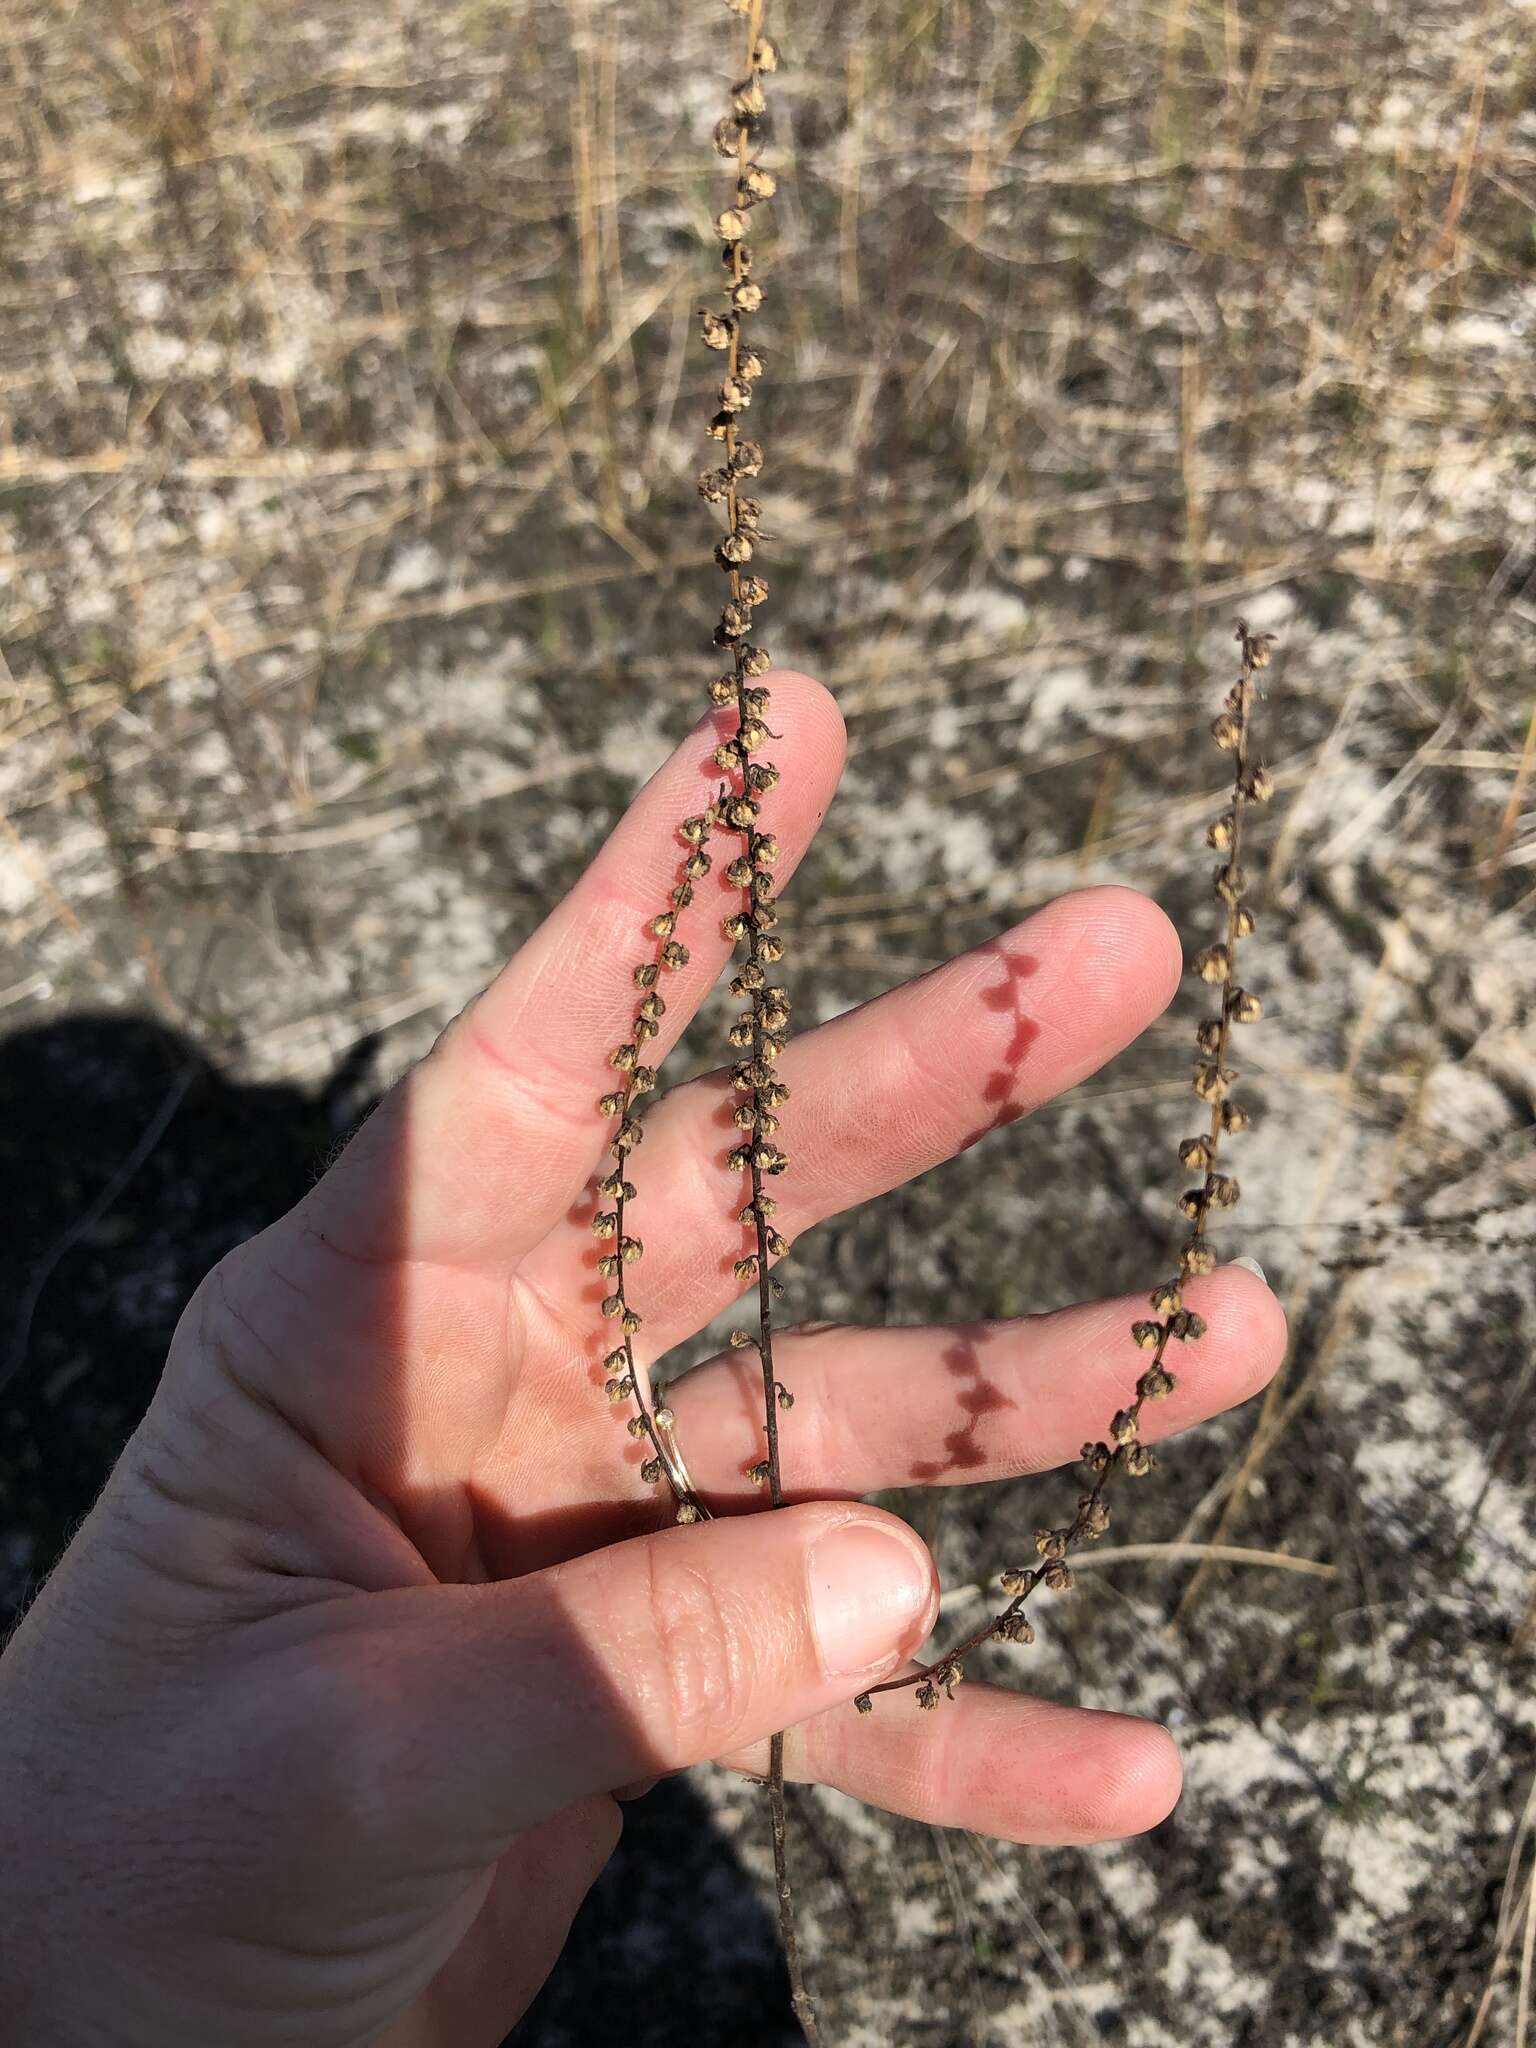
(143,1166)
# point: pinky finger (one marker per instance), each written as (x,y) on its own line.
(996,1762)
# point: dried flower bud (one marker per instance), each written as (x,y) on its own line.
(1259,787)
(1219,833)
(1243,1007)
(1212,1083)
(650,1471)
(1059,1578)
(1155,1384)
(1051,1543)
(747,297)
(728,133)
(765,56)
(927,1696)
(718,329)
(748,97)
(735,394)
(674,955)
(1244,923)
(636,1426)
(1138,1461)
(864,1703)
(1196,1256)
(1013,1628)
(1223,1191)
(745,1269)
(1214,964)
(758,1474)
(1227,732)
(619,1390)
(1167,1300)
(1233,1118)
(730,225)
(1147,1335)
(1208,1037)
(616,1361)
(604,1223)
(782,1395)
(1017,1582)
(687,1512)
(756,183)
(609,1105)
(1195,1153)
(1123,1427)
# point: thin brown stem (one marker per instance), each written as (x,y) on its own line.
(1125,1452)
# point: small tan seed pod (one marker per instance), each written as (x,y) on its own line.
(765,55)
(1214,964)
(735,394)
(1244,1008)
(1017,1582)
(1244,923)
(1196,1256)
(756,183)
(1138,1461)
(1122,1426)
(609,1105)
(1167,1300)
(747,460)
(1219,833)
(728,133)
(1155,1384)
(674,955)
(1147,1335)
(687,1512)
(730,226)
(1058,1577)
(747,297)
(1223,1191)
(734,550)
(1013,1628)
(758,1474)
(745,1269)
(1195,1153)
(748,97)
(1227,732)
(1259,787)
(1233,1118)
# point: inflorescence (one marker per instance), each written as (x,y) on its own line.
(1170,1322)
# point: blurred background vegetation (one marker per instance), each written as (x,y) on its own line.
(354,574)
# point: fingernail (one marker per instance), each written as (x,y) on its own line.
(1251,1266)
(871,1590)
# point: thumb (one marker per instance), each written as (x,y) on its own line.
(504,1703)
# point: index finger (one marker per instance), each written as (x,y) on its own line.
(496,1133)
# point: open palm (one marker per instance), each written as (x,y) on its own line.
(381,1614)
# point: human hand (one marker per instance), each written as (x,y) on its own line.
(317,1731)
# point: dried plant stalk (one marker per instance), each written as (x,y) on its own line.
(759,1030)
(1171,1321)
(628,1380)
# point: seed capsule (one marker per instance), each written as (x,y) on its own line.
(1214,964)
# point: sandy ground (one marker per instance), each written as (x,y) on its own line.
(354,577)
